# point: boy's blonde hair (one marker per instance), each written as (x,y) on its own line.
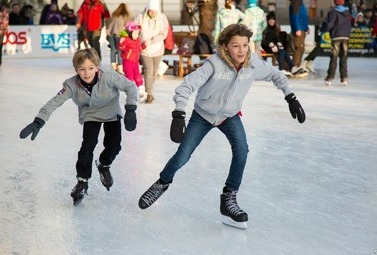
(81,55)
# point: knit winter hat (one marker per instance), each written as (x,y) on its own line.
(251,2)
(153,5)
(271,15)
(339,2)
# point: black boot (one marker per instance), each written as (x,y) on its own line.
(152,194)
(105,175)
(79,191)
(229,206)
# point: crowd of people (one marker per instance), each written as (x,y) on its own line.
(93,15)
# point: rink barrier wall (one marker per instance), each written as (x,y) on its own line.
(53,41)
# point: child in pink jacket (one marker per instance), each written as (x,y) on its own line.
(130,47)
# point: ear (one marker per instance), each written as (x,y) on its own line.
(225,47)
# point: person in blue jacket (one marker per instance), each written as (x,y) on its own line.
(299,21)
(222,83)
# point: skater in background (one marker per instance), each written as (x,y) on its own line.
(130,48)
(116,24)
(96,93)
(222,83)
(339,25)
(4,23)
(256,22)
(299,22)
(227,15)
(92,14)
(155,26)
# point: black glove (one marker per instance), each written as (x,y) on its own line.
(178,126)
(130,117)
(32,128)
(295,108)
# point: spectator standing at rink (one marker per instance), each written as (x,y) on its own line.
(299,22)
(15,17)
(4,22)
(91,15)
(226,16)
(339,25)
(116,24)
(70,19)
(54,16)
(222,84)
(96,94)
(256,21)
(46,9)
(154,29)
(27,12)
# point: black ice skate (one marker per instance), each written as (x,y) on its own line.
(105,175)
(230,208)
(152,194)
(79,191)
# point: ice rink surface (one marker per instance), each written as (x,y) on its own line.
(309,189)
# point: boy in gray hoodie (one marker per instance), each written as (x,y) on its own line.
(96,94)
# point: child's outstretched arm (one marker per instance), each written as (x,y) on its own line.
(45,112)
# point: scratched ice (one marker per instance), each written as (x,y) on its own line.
(308,189)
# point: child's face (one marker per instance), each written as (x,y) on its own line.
(135,34)
(271,22)
(87,71)
(237,48)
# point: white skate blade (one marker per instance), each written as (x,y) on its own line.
(234,224)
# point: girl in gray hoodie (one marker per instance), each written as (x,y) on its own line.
(222,84)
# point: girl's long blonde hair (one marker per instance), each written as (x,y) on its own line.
(121,10)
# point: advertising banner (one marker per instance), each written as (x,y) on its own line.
(361,43)
(40,41)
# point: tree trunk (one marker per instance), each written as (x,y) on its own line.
(207,16)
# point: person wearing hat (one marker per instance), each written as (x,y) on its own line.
(273,43)
(154,30)
(339,25)
(130,48)
(256,21)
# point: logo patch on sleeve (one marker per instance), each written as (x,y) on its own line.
(61,92)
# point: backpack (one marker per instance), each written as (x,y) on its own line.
(202,44)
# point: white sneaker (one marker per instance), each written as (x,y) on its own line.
(298,70)
(344,82)
(142,94)
(328,82)
(286,73)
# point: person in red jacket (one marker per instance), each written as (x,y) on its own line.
(91,16)
(130,47)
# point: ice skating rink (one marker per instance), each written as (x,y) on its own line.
(309,189)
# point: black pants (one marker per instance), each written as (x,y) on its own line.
(93,38)
(111,142)
(339,49)
(1,47)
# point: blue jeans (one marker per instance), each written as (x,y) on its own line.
(284,57)
(114,51)
(197,128)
